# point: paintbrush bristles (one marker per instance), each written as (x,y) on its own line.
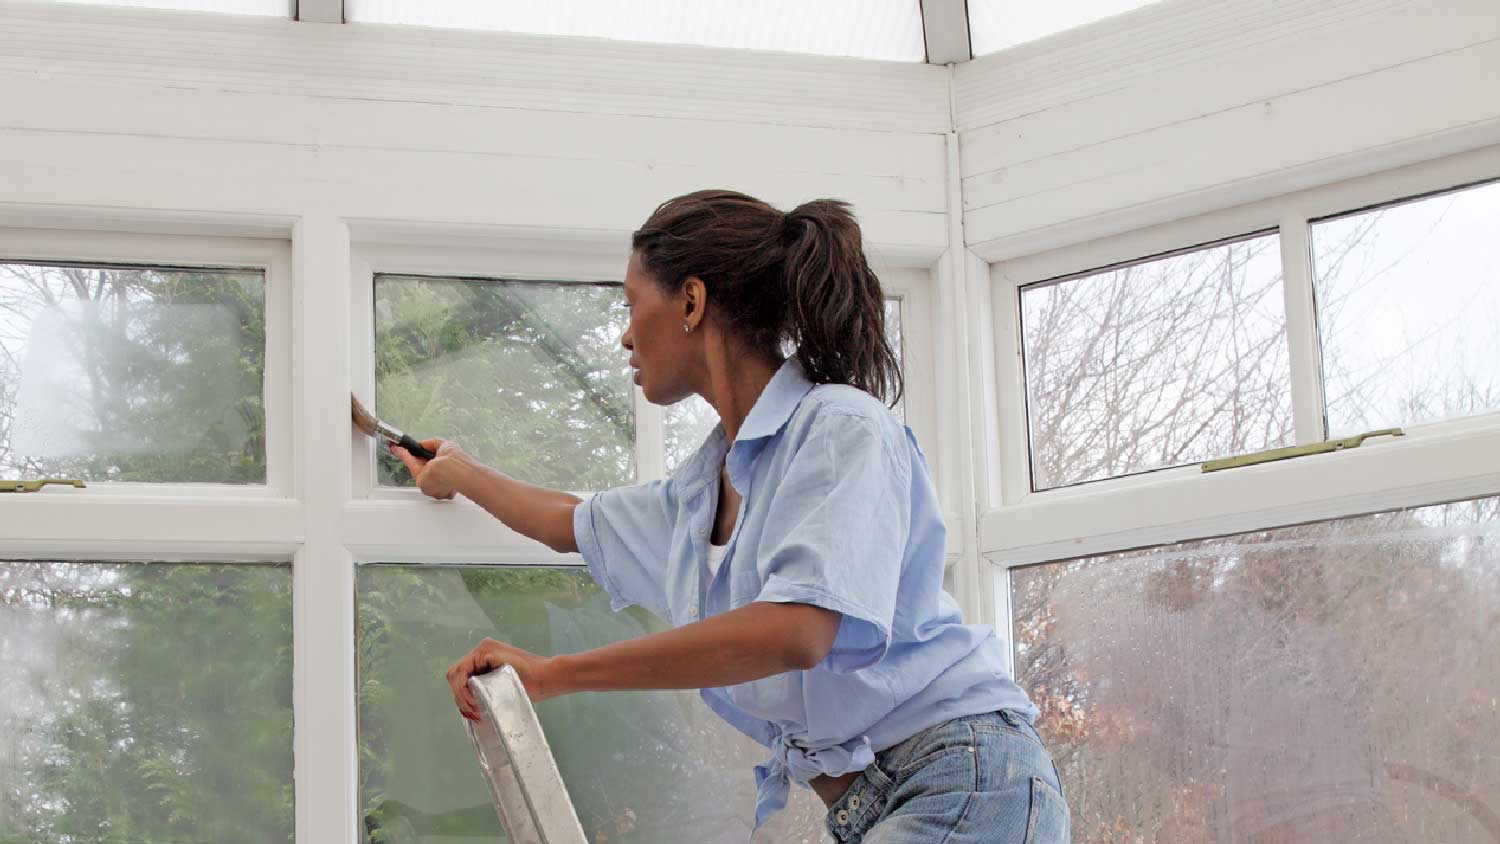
(364,419)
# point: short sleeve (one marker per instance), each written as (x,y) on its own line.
(836,534)
(624,535)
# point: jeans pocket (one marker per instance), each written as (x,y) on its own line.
(949,739)
(1047,821)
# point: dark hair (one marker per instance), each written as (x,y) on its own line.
(799,277)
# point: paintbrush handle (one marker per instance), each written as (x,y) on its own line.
(416,448)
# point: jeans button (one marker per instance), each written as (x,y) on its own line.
(843,817)
(854,802)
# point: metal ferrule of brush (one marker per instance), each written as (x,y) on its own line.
(388,432)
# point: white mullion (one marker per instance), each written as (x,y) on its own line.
(999,583)
(323,685)
(125,525)
(952,371)
(1013,458)
(362,451)
(408,519)
(995,478)
(945,30)
(1302,330)
(318,11)
(650,438)
(950,375)
(277,383)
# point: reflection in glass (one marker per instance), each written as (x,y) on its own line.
(641,768)
(1161,363)
(1327,682)
(1409,311)
(688,423)
(145,702)
(529,377)
(132,373)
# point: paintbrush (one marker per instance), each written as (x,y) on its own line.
(366,421)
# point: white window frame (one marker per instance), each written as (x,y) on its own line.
(169,522)
(320,510)
(126,518)
(1436,462)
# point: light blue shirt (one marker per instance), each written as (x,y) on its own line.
(838,510)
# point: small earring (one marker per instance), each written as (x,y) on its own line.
(687,329)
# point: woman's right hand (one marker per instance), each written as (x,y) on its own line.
(443,476)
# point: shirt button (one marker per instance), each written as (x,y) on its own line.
(843,817)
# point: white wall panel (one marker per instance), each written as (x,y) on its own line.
(493,69)
(162,112)
(1239,107)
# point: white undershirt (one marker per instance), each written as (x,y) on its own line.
(715,559)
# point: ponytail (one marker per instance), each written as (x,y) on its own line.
(835,309)
(772,278)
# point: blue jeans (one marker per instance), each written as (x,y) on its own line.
(983,779)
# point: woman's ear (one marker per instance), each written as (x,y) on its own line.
(695,296)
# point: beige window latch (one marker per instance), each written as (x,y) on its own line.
(1299,450)
(33,486)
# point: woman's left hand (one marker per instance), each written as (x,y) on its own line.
(489,655)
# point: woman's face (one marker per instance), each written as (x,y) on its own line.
(660,351)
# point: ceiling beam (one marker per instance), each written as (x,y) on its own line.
(320,11)
(945,28)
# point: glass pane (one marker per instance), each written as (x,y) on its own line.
(641,768)
(145,702)
(132,373)
(277,8)
(893,336)
(688,423)
(529,377)
(997,24)
(1327,682)
(1161,363)
(870,29)
(1409,311)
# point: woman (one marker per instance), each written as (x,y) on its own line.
(798,554)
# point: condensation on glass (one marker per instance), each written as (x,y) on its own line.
(132,373)
(686,424)
(1408,303)
(528,376)
(640,767)
(145,702)
(869,29)
(1158,363)
(1337,681)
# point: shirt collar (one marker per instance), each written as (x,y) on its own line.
(776,402)
(775,405)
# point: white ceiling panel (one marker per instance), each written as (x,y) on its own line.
(269,8)
(997,24)
(869,29)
